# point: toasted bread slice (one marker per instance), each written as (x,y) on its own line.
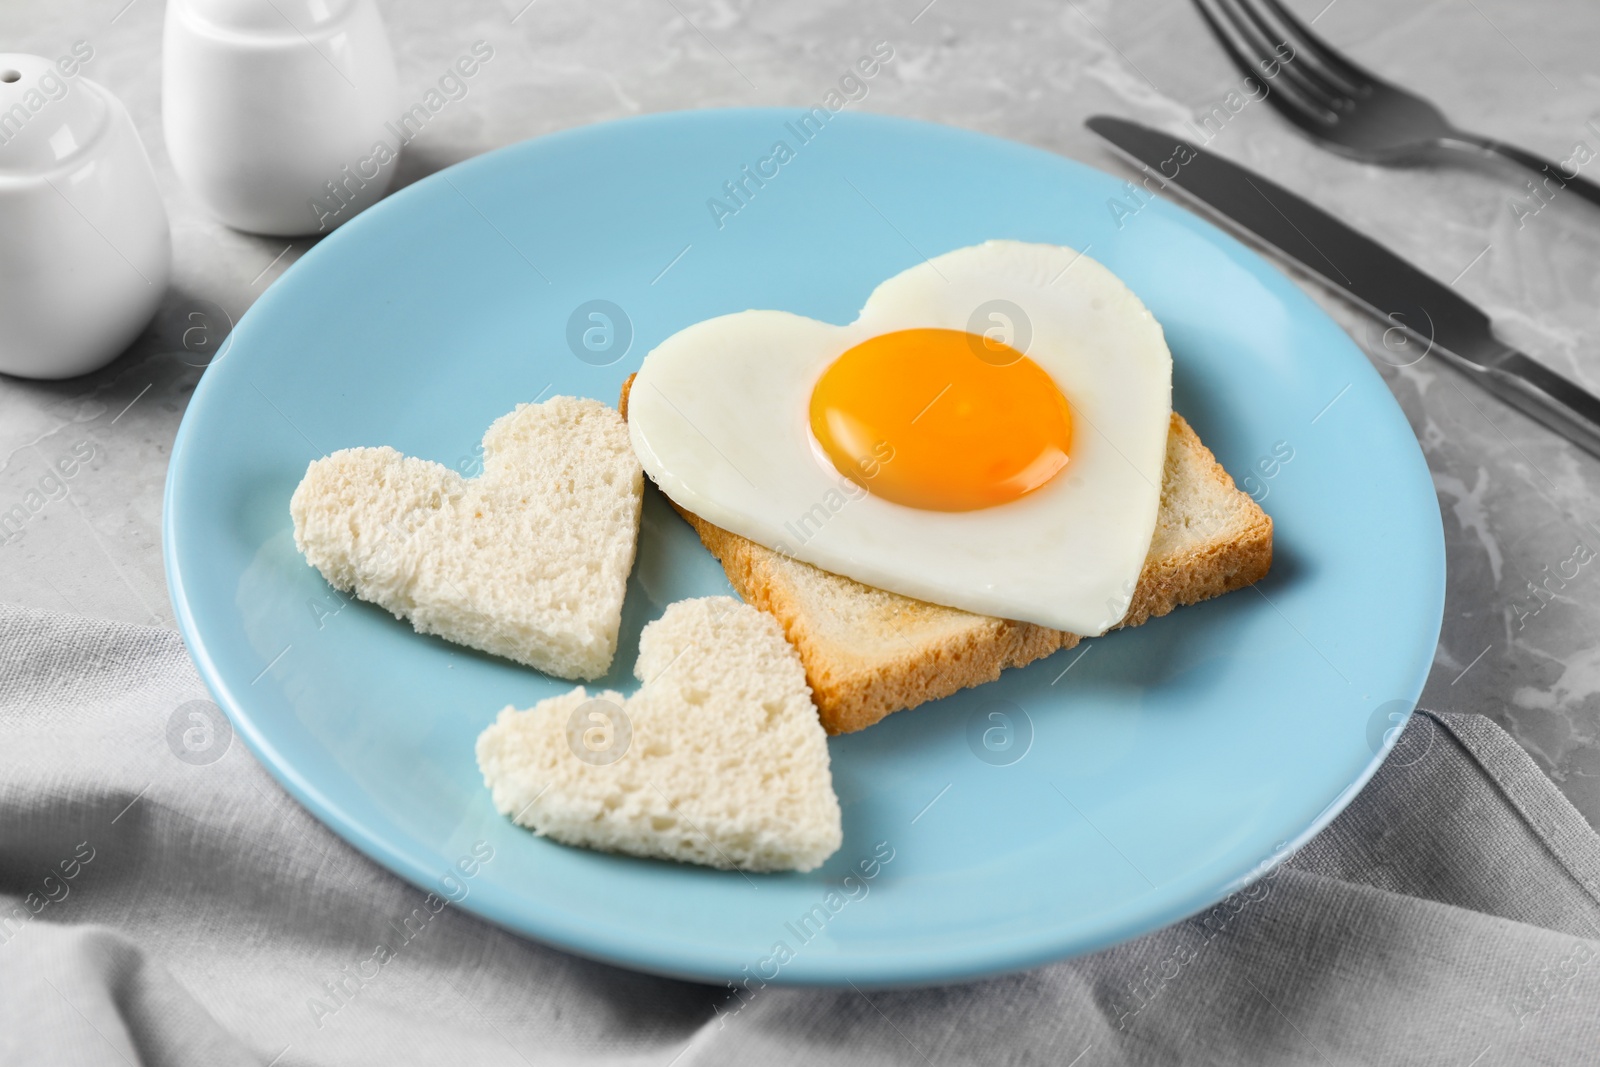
(868,652)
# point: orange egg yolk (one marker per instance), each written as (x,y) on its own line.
(942,420)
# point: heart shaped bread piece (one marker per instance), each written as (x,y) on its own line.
(719,759)
(529,560)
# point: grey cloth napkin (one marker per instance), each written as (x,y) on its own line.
(159,906)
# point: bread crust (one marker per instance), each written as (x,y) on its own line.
(854,689)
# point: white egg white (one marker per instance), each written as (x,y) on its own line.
(719,417)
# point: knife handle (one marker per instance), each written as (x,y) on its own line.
(1542,394)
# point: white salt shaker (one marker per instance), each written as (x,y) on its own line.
(85,252)
(274,110)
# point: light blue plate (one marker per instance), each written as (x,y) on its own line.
(1126,784)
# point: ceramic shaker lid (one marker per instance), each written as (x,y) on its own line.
(266,17)
(46,116)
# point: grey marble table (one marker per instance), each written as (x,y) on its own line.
(1518,503)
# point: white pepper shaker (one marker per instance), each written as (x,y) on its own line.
(274,110)
(85,251)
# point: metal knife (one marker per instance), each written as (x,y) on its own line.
(1364,271)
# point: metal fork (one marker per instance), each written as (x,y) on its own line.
(1348,108)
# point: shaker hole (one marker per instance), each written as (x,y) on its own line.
(10,75)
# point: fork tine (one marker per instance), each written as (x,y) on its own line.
(1356,80)
(1307,112)
(1235,51)
(1267,39)
(1303,68)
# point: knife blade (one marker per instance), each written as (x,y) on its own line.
(1362,270)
